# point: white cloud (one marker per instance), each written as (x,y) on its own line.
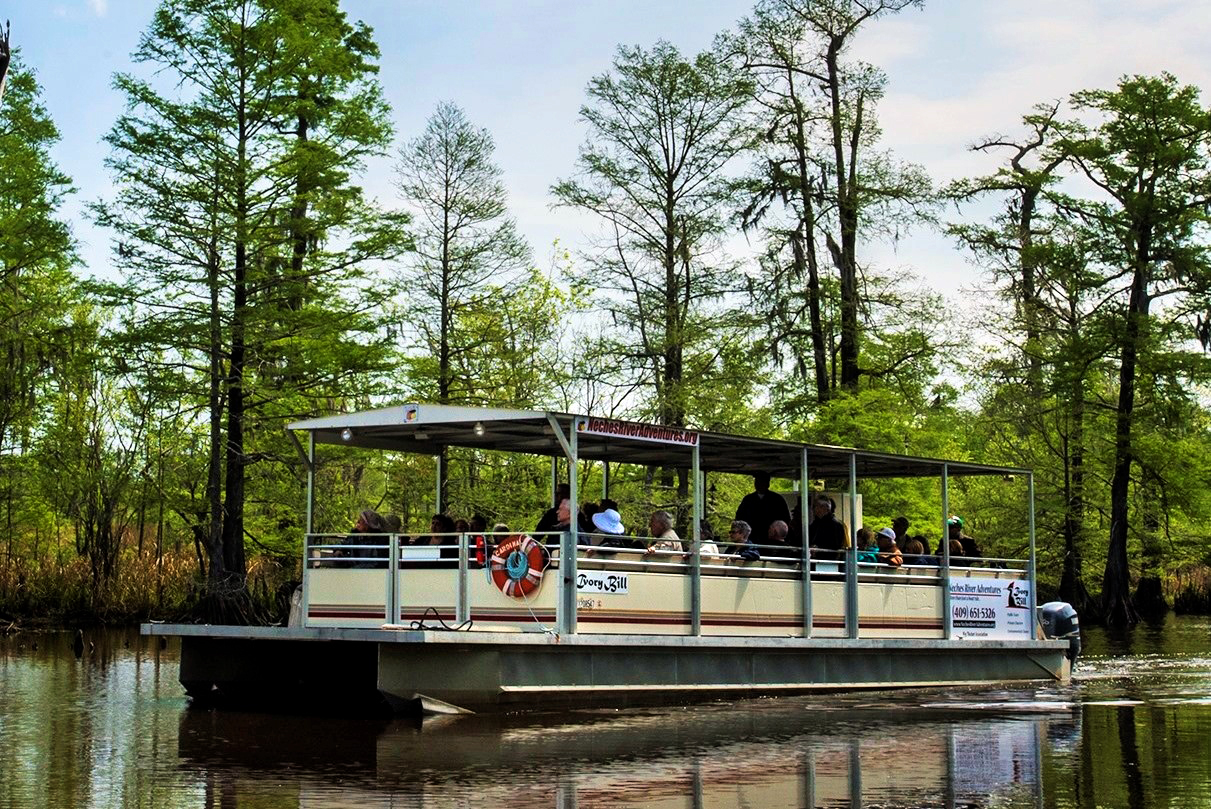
(99,7)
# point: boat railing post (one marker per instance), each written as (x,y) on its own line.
(851,568)
(462,611)
(310,537)
(393,579)
(565,604)
(696,546)
(946,610)
(567,560)
(308,545)
(310,481)
(440,464)
(805,558)
(1033,600)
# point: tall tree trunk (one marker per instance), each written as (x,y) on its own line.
(1030,303)
(212,535)
(1117,604)
(233,506)
(804,247)
(1072,580)
(300,237)
(845,253)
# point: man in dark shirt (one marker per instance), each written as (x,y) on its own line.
(762,507)
(826,532)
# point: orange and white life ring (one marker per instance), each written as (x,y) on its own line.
(517,565)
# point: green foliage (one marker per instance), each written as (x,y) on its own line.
(244,242)
(466,260)
(662,128)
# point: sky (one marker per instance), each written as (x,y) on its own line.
(958,71)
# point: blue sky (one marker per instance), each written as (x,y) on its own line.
(958,70)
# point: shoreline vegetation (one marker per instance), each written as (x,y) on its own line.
(146,588)
(259,283)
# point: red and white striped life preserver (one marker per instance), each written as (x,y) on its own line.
(517,565)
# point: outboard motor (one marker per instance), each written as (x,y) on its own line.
(1059,620)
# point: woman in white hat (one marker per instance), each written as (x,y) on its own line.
(608,521)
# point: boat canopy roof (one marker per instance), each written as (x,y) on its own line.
(426,428)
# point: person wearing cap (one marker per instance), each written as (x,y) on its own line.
(889,552)
(954,530)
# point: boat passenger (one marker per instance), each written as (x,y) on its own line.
(369,529)
(761,507)
(664,538)
(956,553)
(609,521)
(889,552)
(500,528)
(438,525)
(550,518)
(900,526)
(795,536)
(706,536)
(775,536)
(914,552)
(826,532)
(550,527)
(742,545)
(868,549)
(954,528)
(587,511)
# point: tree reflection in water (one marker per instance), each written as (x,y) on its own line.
(113,729)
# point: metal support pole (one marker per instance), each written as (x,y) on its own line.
(394,581)
(851,567)
(946,616)
(1033,595)
(555,475)
(805,558)
(605,479)
(440,461)
(696,547)
(310,482)
(463,609)
(567,559)
(306,606)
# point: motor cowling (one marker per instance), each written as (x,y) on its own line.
(1059,620)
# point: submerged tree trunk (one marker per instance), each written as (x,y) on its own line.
(1149,592)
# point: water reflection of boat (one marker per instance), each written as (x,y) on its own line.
(761,753)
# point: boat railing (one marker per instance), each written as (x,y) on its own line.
(374,579)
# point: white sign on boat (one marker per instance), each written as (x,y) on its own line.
(641,432)
(986,609)
(597,582)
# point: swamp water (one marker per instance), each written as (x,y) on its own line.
(113,728)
